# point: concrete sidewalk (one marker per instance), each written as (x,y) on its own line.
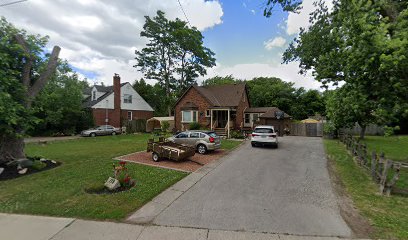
(24,227)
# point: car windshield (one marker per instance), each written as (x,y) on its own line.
(263,130)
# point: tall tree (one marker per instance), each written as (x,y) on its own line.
(362,45)
(24,71)
(155,95)
(174,55)
(270,91)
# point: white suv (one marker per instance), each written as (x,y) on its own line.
(264,135)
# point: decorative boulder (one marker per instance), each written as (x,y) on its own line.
(23,171)
(1,170)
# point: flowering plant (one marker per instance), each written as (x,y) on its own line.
(121,174)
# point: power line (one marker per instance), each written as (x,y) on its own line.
(11,3)
(185,15)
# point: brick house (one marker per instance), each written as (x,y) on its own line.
(221,108)
(112,104)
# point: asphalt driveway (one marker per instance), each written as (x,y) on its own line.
(285,190)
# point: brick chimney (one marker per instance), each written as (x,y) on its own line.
(116,102)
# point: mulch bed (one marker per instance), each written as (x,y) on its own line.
(12,172)
(104,190)
(189,165)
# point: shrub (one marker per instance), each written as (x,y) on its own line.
(165,126)
(389,131)
(237,134)
(194,126)
(38,165)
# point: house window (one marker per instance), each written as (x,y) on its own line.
(208,113)
(255,117)
(247,119)
(130,115)
(93,95)
(189,116)
(127,98)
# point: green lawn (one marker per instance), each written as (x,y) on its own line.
(229,144)
(395,147)
(388,215)
(86,162)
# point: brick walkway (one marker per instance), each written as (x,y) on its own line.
(189,165)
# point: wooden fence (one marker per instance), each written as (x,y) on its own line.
(306,129)
(371,129)
(383,171)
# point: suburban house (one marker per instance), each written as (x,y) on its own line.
(222,108)
(113,104)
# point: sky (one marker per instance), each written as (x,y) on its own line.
(99,37)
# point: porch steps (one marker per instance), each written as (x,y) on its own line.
(220,131)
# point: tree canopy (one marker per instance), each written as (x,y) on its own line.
(362,46)
(174,56)
(58,107)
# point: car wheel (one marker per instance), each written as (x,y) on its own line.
(113,133)
(155,157)
(92,135)
(202,149)
(253,144)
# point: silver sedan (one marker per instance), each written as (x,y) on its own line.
(100,131)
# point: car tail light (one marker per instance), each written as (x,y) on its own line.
(254,135)
(211,139)
(273,135)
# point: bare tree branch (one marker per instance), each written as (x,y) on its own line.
(29,60)
(42,80)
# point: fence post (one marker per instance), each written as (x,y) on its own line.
(396,167)
(383,179)
(374,166)
(364,153)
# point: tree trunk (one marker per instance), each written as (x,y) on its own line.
(11,148)
(362,131)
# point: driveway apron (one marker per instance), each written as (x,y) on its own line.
(285,190)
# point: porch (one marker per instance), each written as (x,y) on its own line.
(222,120)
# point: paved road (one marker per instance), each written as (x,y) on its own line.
(285,190)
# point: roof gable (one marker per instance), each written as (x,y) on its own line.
(227,95)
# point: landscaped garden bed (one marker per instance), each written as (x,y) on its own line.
(34,165)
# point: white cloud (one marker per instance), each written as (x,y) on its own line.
(247,71)
(101,36)
(296,21)
(276,42)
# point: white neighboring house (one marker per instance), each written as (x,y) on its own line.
(113,104)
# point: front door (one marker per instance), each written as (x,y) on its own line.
(221,117)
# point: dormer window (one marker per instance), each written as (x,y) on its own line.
(93,95)
(127,98)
